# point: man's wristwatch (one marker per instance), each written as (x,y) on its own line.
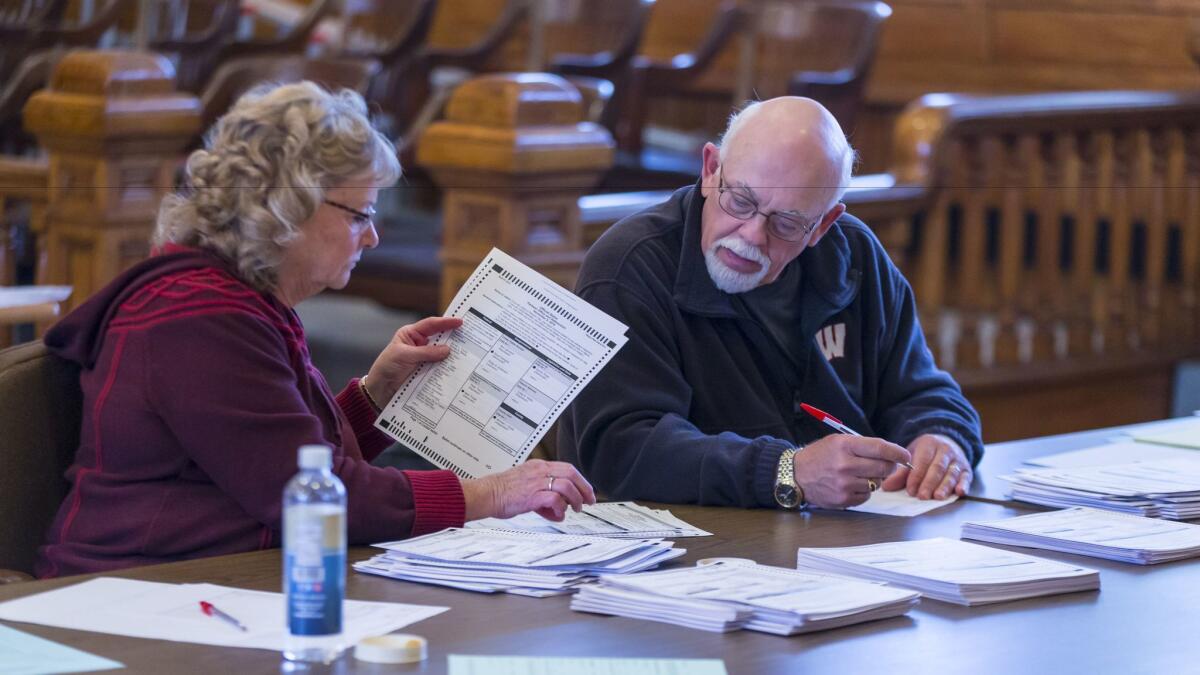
(788,494)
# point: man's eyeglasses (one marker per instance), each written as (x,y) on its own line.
(361,219)
(742,207)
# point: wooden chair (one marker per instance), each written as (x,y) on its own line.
(590,43)
(31,75)
(41,405)
(293,40)
(761,49)
(822,50)
(22,40)
(467,36)
(198,54)
(672,58)
(400,38)
(236,77)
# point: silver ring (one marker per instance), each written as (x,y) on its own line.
(550,484)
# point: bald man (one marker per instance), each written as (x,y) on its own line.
(746,294)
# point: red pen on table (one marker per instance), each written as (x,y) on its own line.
(834,422)
(210,610)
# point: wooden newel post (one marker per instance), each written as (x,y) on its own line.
(114,128)
(513,157)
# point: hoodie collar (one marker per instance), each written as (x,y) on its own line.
(79,336)
(826,268)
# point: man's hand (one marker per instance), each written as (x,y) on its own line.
(835,471)
(940,468)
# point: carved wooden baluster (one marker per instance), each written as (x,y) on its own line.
(1041,297)
(1100,203)
(1121,318)
(1009,312)
(977,273)
(1178,301)
(932,268)
(1190,222)
(1075,339)
(1148,180)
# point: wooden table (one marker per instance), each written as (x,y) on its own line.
(1143,621)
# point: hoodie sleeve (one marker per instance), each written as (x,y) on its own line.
(915,396)
(629,433)
(225,384)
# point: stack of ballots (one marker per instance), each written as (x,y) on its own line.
(1092,532)
(521,563)
(729,596)
(1165,488)
(624,520)
(953,571)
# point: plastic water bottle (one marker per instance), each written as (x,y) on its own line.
(314,558)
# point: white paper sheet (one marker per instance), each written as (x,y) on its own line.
(1122,452)
(900,503)
(527,346)
(172,612)
(25,654)
(548,665)
(605,519)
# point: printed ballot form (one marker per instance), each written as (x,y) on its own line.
(527,346)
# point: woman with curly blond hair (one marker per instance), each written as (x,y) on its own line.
(196,378)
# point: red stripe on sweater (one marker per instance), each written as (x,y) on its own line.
(96,417)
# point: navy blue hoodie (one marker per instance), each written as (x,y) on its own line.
(702,401)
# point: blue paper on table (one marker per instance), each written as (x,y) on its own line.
(26,654)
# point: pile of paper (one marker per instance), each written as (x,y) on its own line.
(727,597)
(953,571)
(625,520)
(1165,488)
(1091,532)
(523,563)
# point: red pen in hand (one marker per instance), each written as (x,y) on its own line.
(209,609)
(834,422)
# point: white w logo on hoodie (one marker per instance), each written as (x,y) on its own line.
(832,341)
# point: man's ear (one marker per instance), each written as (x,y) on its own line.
(827,222)
(711,158)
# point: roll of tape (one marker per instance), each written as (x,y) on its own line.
(703,562)
(394,648)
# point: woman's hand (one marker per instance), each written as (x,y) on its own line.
(537,485)
(408,349)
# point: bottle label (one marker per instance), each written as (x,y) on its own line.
(314,571)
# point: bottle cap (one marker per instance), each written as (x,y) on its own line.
(393,648)
(315,457)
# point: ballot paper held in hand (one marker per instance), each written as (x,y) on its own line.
(526,347)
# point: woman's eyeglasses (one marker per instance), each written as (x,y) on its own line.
(361,219)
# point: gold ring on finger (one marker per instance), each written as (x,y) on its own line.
(550,484)
(872,484)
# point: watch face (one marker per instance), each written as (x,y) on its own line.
(787,496)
